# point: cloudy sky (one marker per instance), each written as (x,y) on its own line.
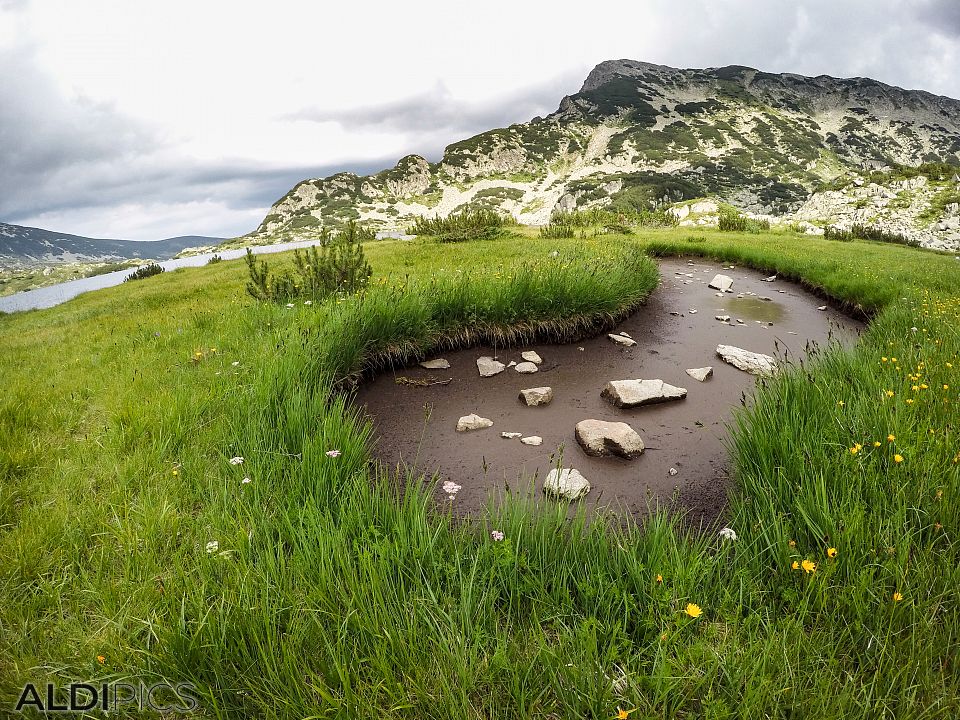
(147,120)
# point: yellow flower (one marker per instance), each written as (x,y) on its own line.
(175,472)
(946,387)
(792,543)
(897,597)
(624,714)
(854,450)
(659,578)
(909,402)
(693,610)
(876,443)
(795,565)
(101,659)
(808,566)
(898,458)
(831,552)
(890,393)
(923,386)
(891,438)
(883,359)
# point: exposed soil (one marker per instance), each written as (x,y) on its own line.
(416,425)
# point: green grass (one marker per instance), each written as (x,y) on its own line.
(338,590)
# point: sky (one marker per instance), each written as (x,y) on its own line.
(144,120)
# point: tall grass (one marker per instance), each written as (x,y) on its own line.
(467,224)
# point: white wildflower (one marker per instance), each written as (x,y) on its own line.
(728,534)
(213,546)
(236,460)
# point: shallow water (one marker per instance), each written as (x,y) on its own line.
(416,425)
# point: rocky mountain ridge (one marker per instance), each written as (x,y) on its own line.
(823,150)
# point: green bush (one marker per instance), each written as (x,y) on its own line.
(731,221)
(557,230)
(144,271)
(214,260)
(467,224)
(868,232)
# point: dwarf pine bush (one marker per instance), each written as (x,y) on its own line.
(144,271)
(477,224)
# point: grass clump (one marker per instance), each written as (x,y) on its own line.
(732,221)
(467,224)
(556,229)
(144,271)
(860,231)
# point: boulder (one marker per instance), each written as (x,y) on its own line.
(751,362)
(531,356)
(634,393)
(622,340)
(599,437)
(438,364)
(473,422)
(700,374)
(566,484)
(721,283)
(526,368)
(534,440)
(537,396)
(489,367)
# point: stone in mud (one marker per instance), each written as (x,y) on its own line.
(700,374)
(622,340)
(634,393)
(751,362)
(531,356)
(566,484)
(599,437)
(511,435)
(525,368)
(438,364)
(537,396)
(721,283)
(722,318)
(473,422)
(489,367)
(534,440)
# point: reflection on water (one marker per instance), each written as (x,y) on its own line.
(751,308)
(55,294)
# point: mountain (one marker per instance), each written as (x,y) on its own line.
(22,246)
(822,151)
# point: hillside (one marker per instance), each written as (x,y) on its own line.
(820,150)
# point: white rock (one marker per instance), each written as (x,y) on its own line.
(525,368)
(510,435)
(692,312)
(566,483)
(537,396)
(672,472)
(622,340)
(770,279)
(722,318)
(473,422)
(599,437)
(489,367)
(512,363)
(531,356)
(532,440)
(700,374)
(721,283)
(822,307)
(634,393)
(438,364)
(751,362)
(627,335)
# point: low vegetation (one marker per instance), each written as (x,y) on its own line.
(215,517)
(732,221)
(859,231)
(144,271)
(467,224)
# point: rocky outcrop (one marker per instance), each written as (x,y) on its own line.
(635,393)
(599,437)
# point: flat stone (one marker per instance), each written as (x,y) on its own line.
(700,374)
(751,362)
(599,437)
(489,367)
(622,340)
(822,307)
(535,440)
(537,396)
(438,364)
(770,279)
(511,435)
(531,356)
(721,283)
(722,318)
(525,368)
(566,484)
(634,393)
(473,422)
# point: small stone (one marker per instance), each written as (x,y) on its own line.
(822,307)
(770,279)
(489,367)
(622,340)
(599,437)
(721,283)
(512,363)
(566,483)
(526,368)
(739,321)
(531,356)
(634,393)
(534,440)
(511,435)
(700,374)
(692,312)
(722,318)
(438,364)
(627,335)
(473,422)
(537,396)
(672,472)
(675,312)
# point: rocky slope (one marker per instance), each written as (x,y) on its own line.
(821,150)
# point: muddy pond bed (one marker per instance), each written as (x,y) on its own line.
(685,461)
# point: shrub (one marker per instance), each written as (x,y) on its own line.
(214,260)
(868,232)
(467,224)
(144,271)
(731,221)
(557,230)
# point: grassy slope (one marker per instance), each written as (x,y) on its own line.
(335,596)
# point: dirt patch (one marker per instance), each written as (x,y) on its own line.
(415,422)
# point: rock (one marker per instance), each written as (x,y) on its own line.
(751,362)
(439,364)
(722,318)
(770,279)
(531,356)
(525,368)
(672,471)
(512,363)
(510,435)
(534,440)
(692,312)
(598,437)
(626,335)
(489,367)
(822,307)
(473,422)
(566,483)
(622,340)
(700,374)
(721,283)
(537,396)
(634,393)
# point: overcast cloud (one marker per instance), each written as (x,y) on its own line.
(122,119)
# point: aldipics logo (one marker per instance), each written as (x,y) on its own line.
(85,697)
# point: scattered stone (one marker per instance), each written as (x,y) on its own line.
(438,364)
(525,368)
(722,318)
(537,396)
(627,335)
(510,435)
(692,312)
(782,292)
(566,483)
(581,349)
(473,422)
(672,472)
(822,307)
(751,362)
(720,294)
(489,367)
(770,279)
(674,312)
(766,299)
(622,340)
(512,363)
(700,374)
(634,393)
(739,321)
(531,356)
(598,438)
(721,283)
(534,440)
